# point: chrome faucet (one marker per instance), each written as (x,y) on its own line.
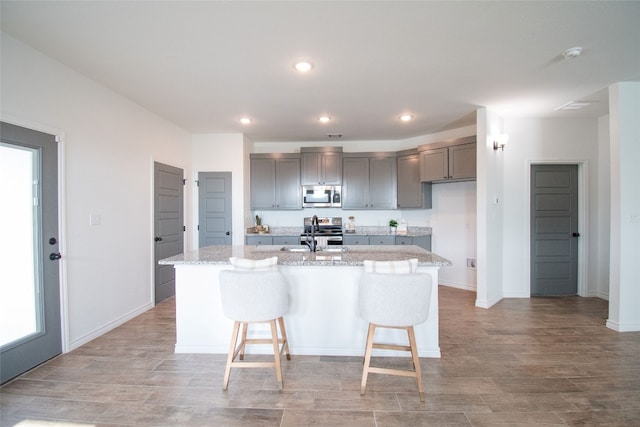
(314,227)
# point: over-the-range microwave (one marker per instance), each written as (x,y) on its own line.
(322,196)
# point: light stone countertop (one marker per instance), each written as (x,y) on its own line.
(360,231)
(353,256)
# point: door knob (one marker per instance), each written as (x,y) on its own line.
(54,256)
(227,233)
(576,234)
(158,239)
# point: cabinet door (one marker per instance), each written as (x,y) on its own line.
(423,241)
(404,240)
(259,240)
(331,168)
(286,240)
(321,168)
(462,161)
(434,165)
(288,187)
(382,240)
(311,169)
(382,183)
(355,183)
(410,194)
(355,240)
(263,178)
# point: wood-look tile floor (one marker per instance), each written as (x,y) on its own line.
(539,361)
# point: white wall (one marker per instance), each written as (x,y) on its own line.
(109,148)
(490,209)
(624,104)
(542,141)
(602,238)
(220,153)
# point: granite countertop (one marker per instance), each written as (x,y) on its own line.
(360,231)
(353,256)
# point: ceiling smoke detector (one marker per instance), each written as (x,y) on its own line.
(572,52)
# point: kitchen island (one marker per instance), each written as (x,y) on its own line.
(323,312)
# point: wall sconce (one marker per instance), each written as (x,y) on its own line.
(499,141)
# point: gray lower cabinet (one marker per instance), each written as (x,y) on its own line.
(286,240)
(423,241)
(382,240)
(259,240)
(275,182)
(369,181)
(355,240)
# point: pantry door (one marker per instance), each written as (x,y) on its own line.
(30,328)
(554,230)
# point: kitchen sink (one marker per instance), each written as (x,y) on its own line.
(294,249)
(330,249)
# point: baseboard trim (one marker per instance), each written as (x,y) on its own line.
(429,352)
(108,327)
(627,327)
(463,286)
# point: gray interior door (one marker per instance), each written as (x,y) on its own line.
(554,230)
(168,225)
(30,328)
(214,208)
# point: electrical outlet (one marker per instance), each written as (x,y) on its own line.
(471,263)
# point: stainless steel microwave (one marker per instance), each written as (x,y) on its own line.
(321,196)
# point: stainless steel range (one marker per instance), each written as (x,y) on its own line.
(328,231)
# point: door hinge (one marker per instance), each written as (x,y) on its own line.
(198,227)
(184,228)
(197,183)
(184,182)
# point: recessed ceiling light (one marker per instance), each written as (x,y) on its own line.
(324,119)
(572,52)
(406,117)
(303,66)
(245,120)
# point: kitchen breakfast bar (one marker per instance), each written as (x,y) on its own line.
(323,309)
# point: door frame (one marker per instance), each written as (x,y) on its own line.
(62,218)
(583,219)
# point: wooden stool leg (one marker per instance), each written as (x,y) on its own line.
(232,350)
(416,362)
(285,341)
(367,357)
(276,353)
(243,343)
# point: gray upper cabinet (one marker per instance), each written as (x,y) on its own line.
(450,161)
(434,165)
(412,193)
(321,166)
(275,181)
(369,181)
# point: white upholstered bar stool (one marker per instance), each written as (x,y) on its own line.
(251,294)
(392,295)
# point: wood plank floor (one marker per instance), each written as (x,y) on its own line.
(540,361)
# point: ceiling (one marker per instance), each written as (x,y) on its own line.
(203,65)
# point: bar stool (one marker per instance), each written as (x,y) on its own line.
(254,296)
(397,301)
